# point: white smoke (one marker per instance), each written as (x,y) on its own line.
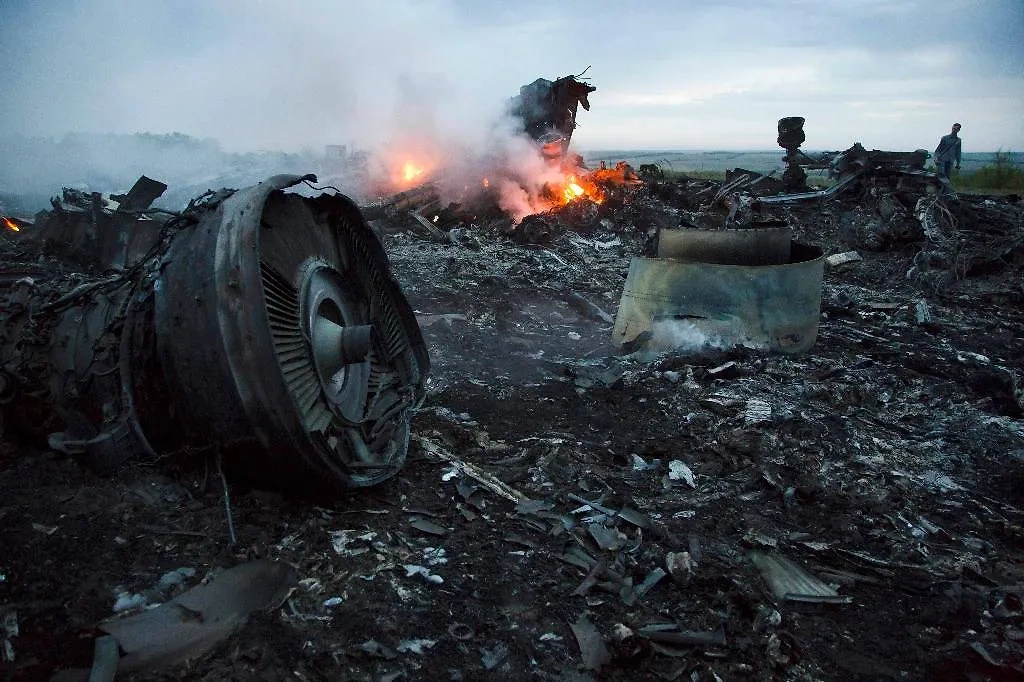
(697,335)
(400,79)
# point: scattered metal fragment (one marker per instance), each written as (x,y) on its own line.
(414,569)
(757,411)
(374,648)
(837,259)
(429,527)
(669,633)
(588,309)
(638,519)
(593,651)
(631,595)
(415,646)
(198,619)
(482,477)
(592,577)
(105,659)
(922,313)
(9,629)
(493,657)
(607,538)
(680,566)
(787,581)
(679,471)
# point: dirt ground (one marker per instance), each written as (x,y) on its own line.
(887,462)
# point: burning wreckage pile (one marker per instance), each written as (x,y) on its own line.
(795,449)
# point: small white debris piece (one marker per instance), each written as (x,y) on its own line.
(837,259)
(964,356)
(678,471)
(621,632)
(332,602)
(434,556)
(550,637)
(757,411)
(922,313)
(413,569)
(127,601)
(679,565)
(311,585)
(175,578)
(342,539)
(415,646)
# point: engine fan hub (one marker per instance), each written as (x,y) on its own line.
(340,340)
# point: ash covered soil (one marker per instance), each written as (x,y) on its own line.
(887,463)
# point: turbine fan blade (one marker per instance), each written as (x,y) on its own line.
(286,243)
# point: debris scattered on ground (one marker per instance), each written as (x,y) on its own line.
(543,523)
(197,620)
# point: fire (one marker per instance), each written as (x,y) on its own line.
(410,171)
(576,187)
(572,190)
(487,183)
(10,224)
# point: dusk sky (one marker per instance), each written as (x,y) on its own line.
(892,74)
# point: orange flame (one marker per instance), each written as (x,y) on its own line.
(572,190)
(577,187)
(10,224)
(410,171)
(487,183)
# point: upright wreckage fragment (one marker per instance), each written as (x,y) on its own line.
(754,287)
(261,322)
(547,111)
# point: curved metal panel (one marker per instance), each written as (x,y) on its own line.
(674,303)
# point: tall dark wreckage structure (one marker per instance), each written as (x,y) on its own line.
(260,323)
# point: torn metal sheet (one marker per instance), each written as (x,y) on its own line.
(787,581)
(668,304)
(200,618)
(592,647)
(669,633)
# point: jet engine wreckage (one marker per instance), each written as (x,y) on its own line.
(258,322)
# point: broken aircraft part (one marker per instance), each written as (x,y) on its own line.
(679,302)
(791,136)
(547,111)
(760,246)
(263,323)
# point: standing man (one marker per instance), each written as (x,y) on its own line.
(948,152)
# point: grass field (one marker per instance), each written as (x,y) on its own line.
(981,172)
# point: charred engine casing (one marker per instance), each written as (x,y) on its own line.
(265,324)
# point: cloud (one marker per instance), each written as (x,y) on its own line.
(284,75)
